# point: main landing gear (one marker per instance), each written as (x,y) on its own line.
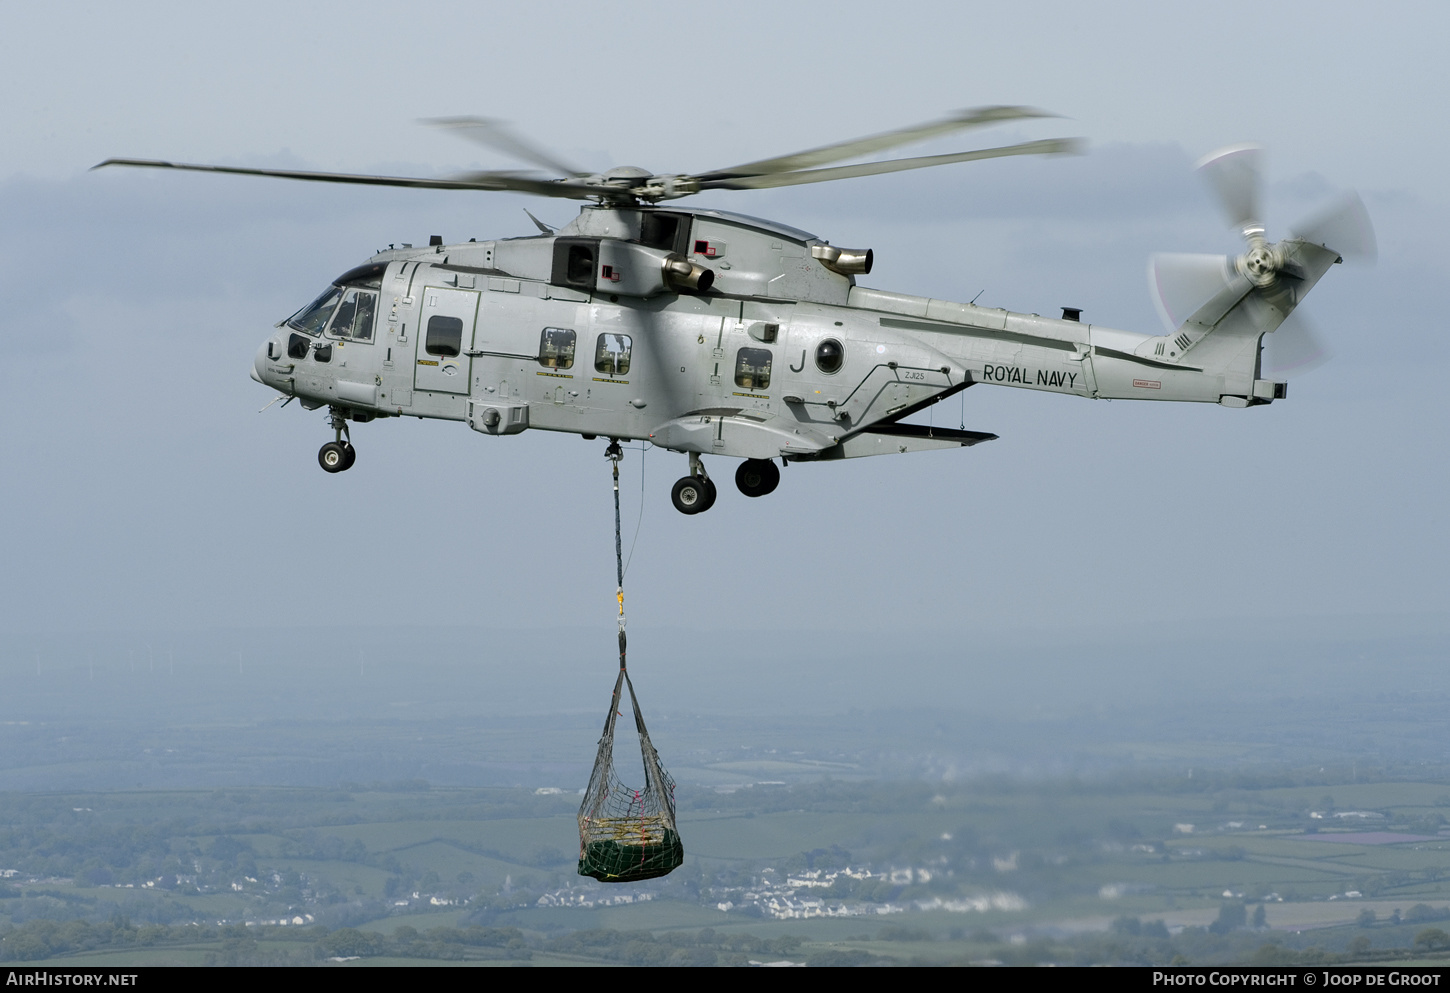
(695,493)
(338,455)
(757,477)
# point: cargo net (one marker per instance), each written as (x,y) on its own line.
(626,834)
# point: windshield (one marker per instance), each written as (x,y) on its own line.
(313,318)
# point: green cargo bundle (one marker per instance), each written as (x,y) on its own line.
(631,859)
(626,834)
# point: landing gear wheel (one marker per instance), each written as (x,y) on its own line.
(690,495)
(335,456)
(757,477)
(710,494)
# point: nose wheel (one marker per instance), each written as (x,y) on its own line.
(695,493)
(338,455)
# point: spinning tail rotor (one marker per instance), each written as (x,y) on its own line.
(1198,290)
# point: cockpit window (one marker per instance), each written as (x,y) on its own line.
(354,283)
(354,317)
(368,274)
(313,318)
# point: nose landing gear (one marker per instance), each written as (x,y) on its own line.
(338,455)
(695,493)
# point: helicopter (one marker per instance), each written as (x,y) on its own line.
(711,333)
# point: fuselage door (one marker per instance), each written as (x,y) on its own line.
(445,336)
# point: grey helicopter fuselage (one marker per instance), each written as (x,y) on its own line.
(712,333)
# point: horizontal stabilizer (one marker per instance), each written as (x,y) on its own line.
(955,436)
(898,439)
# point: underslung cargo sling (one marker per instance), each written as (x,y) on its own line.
(627,834)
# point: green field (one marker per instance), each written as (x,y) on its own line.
(977,871)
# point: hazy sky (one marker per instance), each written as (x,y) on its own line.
(143,489)
(1333,86)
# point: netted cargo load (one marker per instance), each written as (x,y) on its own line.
(628,834)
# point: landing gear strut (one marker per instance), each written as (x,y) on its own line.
(695,493)
(338,455)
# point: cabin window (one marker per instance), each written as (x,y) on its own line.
(312,318)
(611,355)
(297,347)
(354,317)
(752,368)
(445,335)
(556,348)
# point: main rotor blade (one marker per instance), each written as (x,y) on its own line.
(494,181)
(1344,227)
(498,136)
(1052,146)
(975,117)
(1180,284)
(1235,175)
(1293,348)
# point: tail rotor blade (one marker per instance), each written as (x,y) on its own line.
(1344,226)
(1235,174)
(1293,348)
(1181,283)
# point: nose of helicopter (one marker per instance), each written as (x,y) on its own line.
(259,364)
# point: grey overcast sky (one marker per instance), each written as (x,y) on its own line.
(1346,87)
(143,490)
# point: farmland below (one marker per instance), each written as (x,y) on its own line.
(320,801)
